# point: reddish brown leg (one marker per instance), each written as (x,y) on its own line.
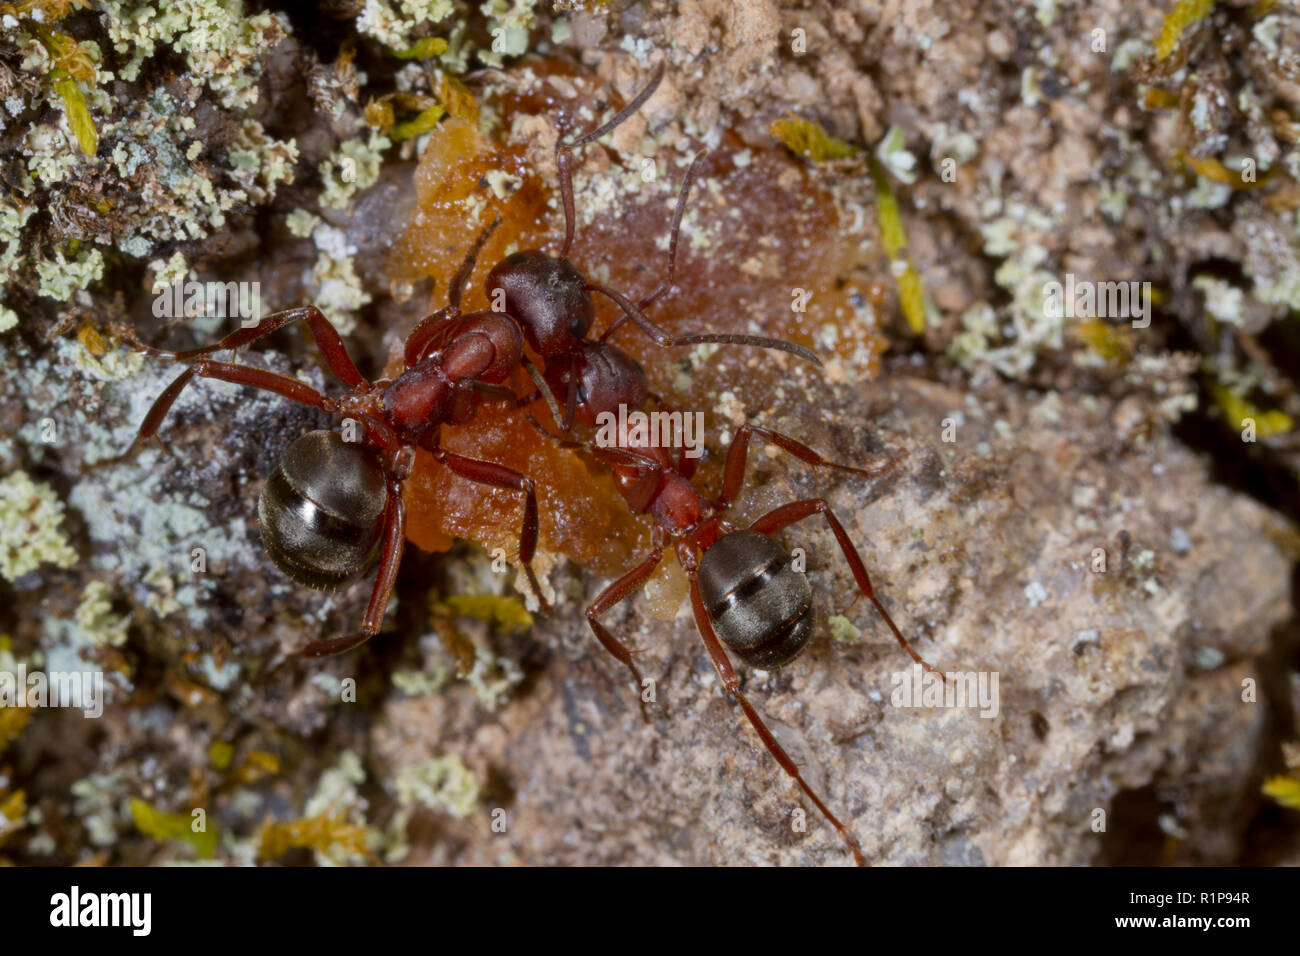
(389,561)
(661,336)
(565,160)
(499,476)
(649,471)
(787,515)
(732,683)
(612,595)
(734,475)
(290,388)
(326,336)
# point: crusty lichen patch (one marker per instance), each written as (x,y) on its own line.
(31,517)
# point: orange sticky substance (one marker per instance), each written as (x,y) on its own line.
(766,230)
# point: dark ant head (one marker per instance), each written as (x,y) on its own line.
(548,297)
(603,377)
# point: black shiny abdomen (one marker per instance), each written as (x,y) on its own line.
(322,511)
(759,604)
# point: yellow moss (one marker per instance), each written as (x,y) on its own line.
(1215,171)
(424,49)
(220,754)
(259,764)
(320,833)
(911,294)
(1106,340)
(503,610)
(71,65)
(1268,424)
(12,810)
(1154,99)
(1185,14)
(161,825)
(457,99)
(418,126)
(379,113)
(808,139)
(13,720)
(1285,790)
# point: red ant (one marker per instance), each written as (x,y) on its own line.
(333,508)
(745,592)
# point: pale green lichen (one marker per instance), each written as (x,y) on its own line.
(353,166)
(337,291)
(60,278)
(391,22)
(337,798)
(441,783)
(30,516)
(301,222)
(96,618)
(221,45)
(113,366)
(843,631)
(509,24)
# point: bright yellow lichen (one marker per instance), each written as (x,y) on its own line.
(503,610)
(1268,424)
(1185,14)
(911,294)
(321,833)
(1285,790)
(808,139)
(186,827)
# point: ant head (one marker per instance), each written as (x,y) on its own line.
(605,377)
(548,297)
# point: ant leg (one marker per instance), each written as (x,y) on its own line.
(787,515)
(499,476)
(323,332)
(732,683)
(615,594)
(390,560)
(640,491)
(734,475)
(290,388)
(564,159)
(661,336)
